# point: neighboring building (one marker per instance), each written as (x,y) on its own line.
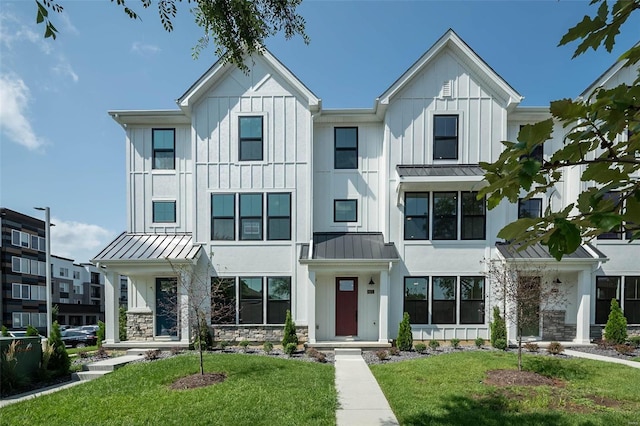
(346,217)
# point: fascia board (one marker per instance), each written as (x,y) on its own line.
(149,117)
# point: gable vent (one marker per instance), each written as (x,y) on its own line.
(447,89)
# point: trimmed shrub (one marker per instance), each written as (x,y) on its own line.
(479,342)
(32,331)
(122,324)
(267,347)
(290,349)
(100,334)
(290,335)
(394,351)
(616,329)
(434,345)
(555,348)
(500,344)
(404,342)
(634,341)
(531,347)
(625,349)
(382,355)
(4,331)
(420,347)
(244,344)
(455,343)
(498,328)
(152,354)
(317,355)
(59,361)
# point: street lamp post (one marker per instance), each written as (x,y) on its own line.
(47,235)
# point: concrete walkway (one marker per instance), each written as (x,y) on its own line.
(360,399)
(586,355)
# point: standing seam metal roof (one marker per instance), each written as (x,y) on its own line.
(539,251)
(429,170)
(350,246)
(132,247)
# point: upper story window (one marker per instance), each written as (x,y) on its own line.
(617,205)
(279,216)
(76,275)
(537,153)
(250,138)
(416,216)
(164,145)
(164,211)
(345,210)
(250,216)
(223,217)
(95,278)
(531,208)
(346,147)
(445,137)
(472,225)
(64,272)
(445,215)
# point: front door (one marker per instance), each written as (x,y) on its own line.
(166,307)
(346,306)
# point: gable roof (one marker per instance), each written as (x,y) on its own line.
(450,40)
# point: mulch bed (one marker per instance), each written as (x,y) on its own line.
(198,381)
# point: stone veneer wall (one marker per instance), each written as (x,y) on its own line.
(257,333)
(597,331)
(139,326)
(554,328)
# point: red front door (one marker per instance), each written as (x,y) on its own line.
(346,306)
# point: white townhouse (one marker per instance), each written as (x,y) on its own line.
(348,218)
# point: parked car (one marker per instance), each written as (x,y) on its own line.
(93,328)
(78,338)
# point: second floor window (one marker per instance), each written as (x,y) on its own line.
(416,216)
(345,210)
(472,225)
(250,138)
(279,216)
(530,208)
(346,148)
(250,216)
(163,141)
(445,137)
(445,215)
(164,211)
(223,217)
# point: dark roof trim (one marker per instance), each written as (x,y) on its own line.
(430,170)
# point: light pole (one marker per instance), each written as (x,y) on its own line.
(47,236)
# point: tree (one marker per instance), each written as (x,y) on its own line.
(405,338)
(498,330)
(615,331)
(289,333)
(59,361)
(236,27)
(602,139)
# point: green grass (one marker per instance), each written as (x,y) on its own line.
(73,351)
(449,390)
(258,391)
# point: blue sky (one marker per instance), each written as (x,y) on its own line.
(59,148)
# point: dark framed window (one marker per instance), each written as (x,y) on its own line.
(250,216)
(346,147)
(445,216)
(537,153)
(223,208)
(251,296)
(632,299)
(416,299)
(278,299)
(444,300)
(530,208)
(223,300)
(445,137)
(606,289)
(473,221)
(164,145)
(250,138)
(164,211)
(613,198)
(471,300)
(416,216)
(278,216)
(345,210)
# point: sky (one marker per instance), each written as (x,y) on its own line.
(59,147)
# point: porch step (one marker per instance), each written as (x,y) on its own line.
(140,351)
(88,375)
(359,345)
(348,351)
(100,368)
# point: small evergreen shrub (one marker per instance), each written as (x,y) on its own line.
(455,343)
(479,342)
(434,345)
(404,342)
(382,355)
(32,331)
(289,335)
(634,341)
(244,344)
(531,347)
(5,331)
(267,347)
(152,354)
(394,351)
(100,334)
(290,348)
(223,344)
(500,344)
(624,349)
(498,328)
(206,337)
(59,362)
(616,329)
(122,324)
(420,347)
(555,348)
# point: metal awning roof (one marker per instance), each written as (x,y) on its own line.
(353,246)
(540,252)
(138,247)
(434,170)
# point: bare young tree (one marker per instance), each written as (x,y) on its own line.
(524,291)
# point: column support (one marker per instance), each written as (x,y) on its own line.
(111,307)
(583,319)
(383,317)
(311,306)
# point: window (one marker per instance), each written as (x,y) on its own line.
(473,217)
(20,291)
(278,299)
(250,129)
(21,319)
(251,300)
(15,238)
(416,216)
(345,210)
(21,239)
(223,298)
(416,299)
(76,275)
(250,216)
(278,216)
(64,287)
(64,300)
(471,300)
(78,289)
(38,292)
(530,208)
(444,300)
(95,278)
(164,211)
(346,147)
(612,198)
(22,265)
(42,269)
(95,292)
(445,216)
(606,289)
(632,299)
(223,208)
(163,141)
(64,272)
(445,137)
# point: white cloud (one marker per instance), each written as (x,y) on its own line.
(13,30)
(144,49)
(78,241)
(14,123)
(67,25)
(63,68)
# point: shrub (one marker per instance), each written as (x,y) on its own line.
(122,324)
(455,343)
(394,351)
(616,329)
(382,355)
(244,344)
(603,344)
(634,341)
(152,354)
(223,344)
(4,331)
(32,331)
(531,347)
(555,348)
(290,349)
(206,337)
(10,379)
(100,335)
(498,328)
(59,362)
(290,335)
(316,354)
(624,349)
(404,342)
(479,342)
(83,353)
(420,347)
(102,352)
(500,344)
(434,345)
(267,347)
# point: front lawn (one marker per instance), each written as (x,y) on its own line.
(449,390)
(257,391)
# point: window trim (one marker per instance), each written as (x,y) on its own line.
(454,301)
(158,150)
(608,301)
(233,218)
(241,299)
(427,300)
(437,138)
(269,217)
(251,139)
(337,149)
(455,216)
(462,301)
(154,219)
(463,216)
(261,217)
(425,216)
(351,200)
(522,201)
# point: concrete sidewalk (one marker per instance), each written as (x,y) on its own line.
(361,401)
(586,355)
